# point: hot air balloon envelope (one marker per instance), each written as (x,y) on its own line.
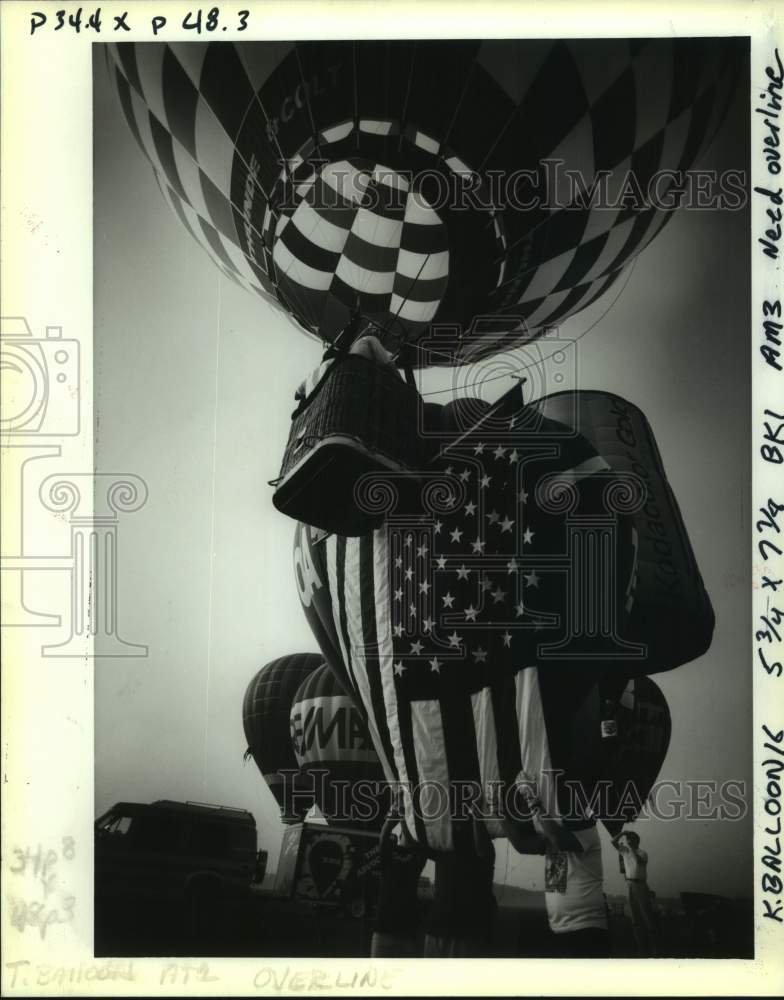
(265,718)
(425,182)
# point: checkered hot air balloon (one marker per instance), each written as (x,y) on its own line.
(429,182)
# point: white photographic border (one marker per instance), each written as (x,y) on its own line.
(47,267)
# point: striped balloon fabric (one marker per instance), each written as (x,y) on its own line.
(541,564)
(440,624)
(426,183)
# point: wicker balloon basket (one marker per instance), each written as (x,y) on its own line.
(360,420)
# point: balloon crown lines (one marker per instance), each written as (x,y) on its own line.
(432,180)
(570,799)
(552,185)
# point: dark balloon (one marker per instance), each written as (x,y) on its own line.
(336,755)
(608,739)
(666,606)
(425,183)
(265,718)
(644,728)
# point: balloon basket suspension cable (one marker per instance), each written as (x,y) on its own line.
(497,407)
(405,345)
(351,331)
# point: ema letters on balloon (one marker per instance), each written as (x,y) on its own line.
(330,728)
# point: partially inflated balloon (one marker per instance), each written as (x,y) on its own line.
(644,727)
(265,719)
(336,755)
(476,624)
(437,615)
(426,182)
(667,605)
(613,748)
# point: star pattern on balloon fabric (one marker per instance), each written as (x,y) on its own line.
(460,580)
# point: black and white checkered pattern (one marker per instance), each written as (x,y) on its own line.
(188,146)
(243,138)
(359,236)
(632,109)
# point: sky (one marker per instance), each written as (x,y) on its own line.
(194,381)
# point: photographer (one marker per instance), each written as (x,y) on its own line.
(635,868)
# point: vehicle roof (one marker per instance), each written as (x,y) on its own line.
(224,813)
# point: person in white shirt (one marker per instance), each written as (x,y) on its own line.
(574,896)
(574,880)
(635,868)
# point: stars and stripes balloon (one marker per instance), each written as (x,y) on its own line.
(476,623)
(428,182)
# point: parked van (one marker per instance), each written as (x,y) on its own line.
(173,852)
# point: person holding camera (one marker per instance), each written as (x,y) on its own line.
(634,864)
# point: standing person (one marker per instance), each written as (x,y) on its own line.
(463,915)
(574,896)
(574,878)
(635,868)
(395,931)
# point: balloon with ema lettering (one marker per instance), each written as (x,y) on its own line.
(335,754)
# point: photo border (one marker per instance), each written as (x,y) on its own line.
(47,198)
